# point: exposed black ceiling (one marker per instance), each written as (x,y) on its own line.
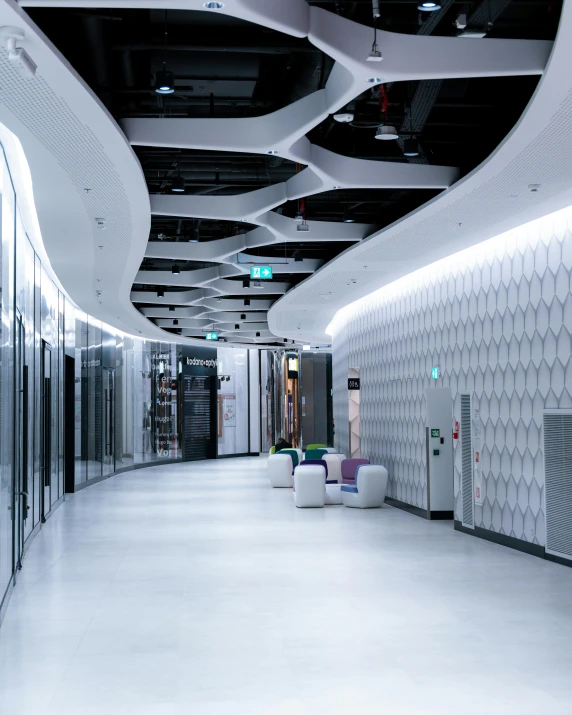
(225,67)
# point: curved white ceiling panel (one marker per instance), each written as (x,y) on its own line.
(77,141)
(529,175)
(84,175)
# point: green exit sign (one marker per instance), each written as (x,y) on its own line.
(435,373)
(212,336)
(435,433)
(261,272)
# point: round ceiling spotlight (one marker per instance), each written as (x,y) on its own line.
(178,184)
(344,117)
(410,147)
(386,133)
(429,6)
(214,5)
(349,217)
(175,270)
(164,82)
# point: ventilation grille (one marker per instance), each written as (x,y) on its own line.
(558,482)
(467,461)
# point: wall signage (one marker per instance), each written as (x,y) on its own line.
(434,373)
(353,383)
(264,272)
(435,433)
(196,362)
(212,336)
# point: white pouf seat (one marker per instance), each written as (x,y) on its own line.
(369,489)
(280,470)
(309,486)
(334,462)
(333,494)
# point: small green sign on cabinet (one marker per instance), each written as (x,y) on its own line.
(435,433)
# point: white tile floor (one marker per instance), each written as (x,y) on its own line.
(197,589)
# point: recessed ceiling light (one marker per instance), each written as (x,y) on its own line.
(344,117)
(429,6)
(375,80)
(160,294)
(386,133)
(275,151)
(349,217)
(214,5)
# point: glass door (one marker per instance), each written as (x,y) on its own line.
(108,421)
(20,490)
(46,427)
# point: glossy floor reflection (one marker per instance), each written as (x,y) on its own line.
(198,589)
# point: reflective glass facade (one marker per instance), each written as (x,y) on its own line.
(80,401)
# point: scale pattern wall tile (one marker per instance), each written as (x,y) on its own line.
(497,320)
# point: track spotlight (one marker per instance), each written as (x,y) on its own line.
(429,6)
(171,309)
(175,321)
(243,316)
(410,147)
(175,270)
(160,294)
(178,184)
(257,335)
(247,301)
(164,82)
(236,326)
(246,283)
(386,133)
(349,216)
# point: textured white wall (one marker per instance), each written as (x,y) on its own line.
(497,320)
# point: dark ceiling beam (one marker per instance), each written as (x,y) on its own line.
(226,48)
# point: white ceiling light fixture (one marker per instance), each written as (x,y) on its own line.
(386,133)
(375,53)
(214,5)
(473,34)
(429,6)
(344,117)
